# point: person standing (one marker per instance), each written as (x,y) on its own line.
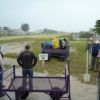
(95,52)
(27,60)
(65,43)
(1,74)
(55,43)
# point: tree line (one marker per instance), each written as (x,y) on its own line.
(24,27)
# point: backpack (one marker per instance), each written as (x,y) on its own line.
(48,44)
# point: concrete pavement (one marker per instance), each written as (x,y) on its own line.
(79,91)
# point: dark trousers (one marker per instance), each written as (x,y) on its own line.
(95,62)
(27,78)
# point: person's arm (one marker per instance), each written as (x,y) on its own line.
(1,61)
(1,54)
(35,60)
(19,60)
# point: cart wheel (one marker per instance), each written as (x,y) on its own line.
(56,93)
(21,93)
(61,59)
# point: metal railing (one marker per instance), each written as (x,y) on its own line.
(98,93)
(5,73)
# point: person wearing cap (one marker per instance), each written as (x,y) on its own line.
(1,73)
(27,60)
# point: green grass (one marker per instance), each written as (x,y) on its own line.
(55,67)
(11,55)
(78,61)
(78,57)
(24,38)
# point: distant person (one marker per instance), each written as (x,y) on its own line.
(95,52)
(65,43)
(55,43)
(27,60)
(48,45)
(1,73)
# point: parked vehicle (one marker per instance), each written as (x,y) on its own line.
(59,53)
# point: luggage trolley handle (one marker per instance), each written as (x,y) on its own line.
(14,74)
(67,78)
(6,75)
(98,86)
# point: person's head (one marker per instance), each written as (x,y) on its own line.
(65,39)
(27,47)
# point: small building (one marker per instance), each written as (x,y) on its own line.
(75,36)
(12,31)
(16,31)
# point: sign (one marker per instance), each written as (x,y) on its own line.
(43,56)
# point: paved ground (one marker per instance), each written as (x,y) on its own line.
(82,91)
(79,91)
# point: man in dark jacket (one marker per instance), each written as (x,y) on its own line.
(27,60)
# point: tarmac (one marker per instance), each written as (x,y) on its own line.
(79,91)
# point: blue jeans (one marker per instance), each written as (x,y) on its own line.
(27,73)
(1,83)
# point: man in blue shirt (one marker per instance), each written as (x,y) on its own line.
(95,51)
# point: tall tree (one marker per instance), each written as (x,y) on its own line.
(83,34)
(97,27)
(25,27)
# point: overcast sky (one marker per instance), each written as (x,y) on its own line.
(64,15)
